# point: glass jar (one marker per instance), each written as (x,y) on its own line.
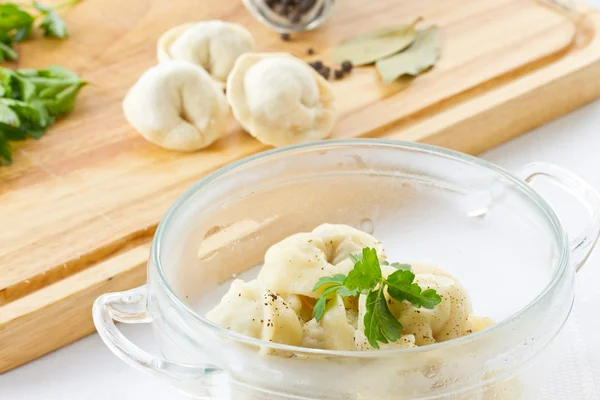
(484,225)
(315,13)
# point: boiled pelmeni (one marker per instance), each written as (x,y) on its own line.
(334,331)
(360,339)
(253,310)
(280,99)
(213,45)
(296,263)
(177,105)
(448,320)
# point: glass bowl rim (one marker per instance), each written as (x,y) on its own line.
(545,208)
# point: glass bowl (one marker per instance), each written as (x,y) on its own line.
(425,204)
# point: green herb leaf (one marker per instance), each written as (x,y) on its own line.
(321,304)
(52,25)
(366,278)
(8,116)
(397,265)
(336,279)
(336,287)
(401,287)
(15,23)
(366,273)
(7,53)
(55,86)
(31,100)
(380,323)
(368,48)
(423,54)
(5,153)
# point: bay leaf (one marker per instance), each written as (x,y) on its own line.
(423,54)
(369,47)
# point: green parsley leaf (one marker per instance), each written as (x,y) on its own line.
(397,265)
(55,86)
(31,100)
(366,273)
(336,279)
(16,24)
(321,304)
(7,53)
(5,153)
(8,116)
(401,287)
(335,287)
(380,323)
(52,25)
(366,278)
(33,119)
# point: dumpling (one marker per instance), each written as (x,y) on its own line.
(342,240)
(297,262)
(448,320)
(302,306)
(360,339)
(213,45)
(333,332)
(280,99)
(253,310)
(176,105)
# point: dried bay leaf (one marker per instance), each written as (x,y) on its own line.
(369,47)
(423,54)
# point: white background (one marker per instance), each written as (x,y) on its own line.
(86,370)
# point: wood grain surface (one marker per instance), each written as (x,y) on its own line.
(80,206)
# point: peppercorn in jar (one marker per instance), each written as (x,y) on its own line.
(288,16)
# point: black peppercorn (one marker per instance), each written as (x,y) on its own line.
(285,37)
(310,51)
(347,66)
(338,74)
(317,65)
(325,72)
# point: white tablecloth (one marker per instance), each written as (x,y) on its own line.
(86,370)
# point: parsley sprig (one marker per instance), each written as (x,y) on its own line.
(17,23)
(366,278)
(31,100)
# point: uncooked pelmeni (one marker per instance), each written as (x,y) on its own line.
(280,99)
(177,105)
(213,45)
(253,310)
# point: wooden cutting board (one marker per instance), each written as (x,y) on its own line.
(79,207)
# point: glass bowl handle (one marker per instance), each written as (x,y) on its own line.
(130,307)
(583,244)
